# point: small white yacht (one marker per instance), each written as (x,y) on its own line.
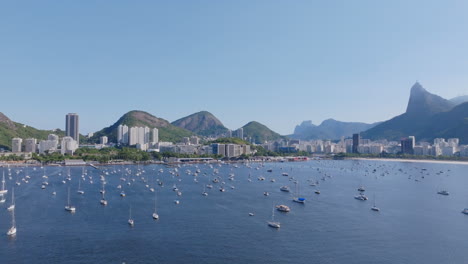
(155,216)
(283,208)
(465,211)
(361,197)
(11,231)
(443,192)
(284,188)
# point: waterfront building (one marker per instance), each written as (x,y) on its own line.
(453,142)
(240,133)
(103,140)
(155,138)
(50,145)
(146,137)
(16,144)
(356,138)
(30,145)
(448,150)
(122,134)
(219,149)
(407,145)
(72,126)
(68,145)
(229,150)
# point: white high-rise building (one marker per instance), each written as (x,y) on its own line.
(133,136)
(16,145)
(30,145)
(240,133)
(122,134)
(155,135)
(68,146)
(147,135)
(49,145)
(141,135)
(138,135)
(103,140)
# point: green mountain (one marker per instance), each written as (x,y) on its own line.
(427,116)
(202,123)
(329,129)
(10,129)
(260,133)
(451,124)
(167,131)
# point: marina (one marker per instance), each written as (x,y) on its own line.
(234,225)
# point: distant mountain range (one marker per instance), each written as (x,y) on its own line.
(329,129)
(427,116)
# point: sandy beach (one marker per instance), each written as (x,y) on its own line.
(416,161)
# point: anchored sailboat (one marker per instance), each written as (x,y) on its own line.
(68,207)
(273,223)
(12,230)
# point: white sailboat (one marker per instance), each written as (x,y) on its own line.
(375,208)
(12,206)
(68,207)
(79,187)
(130,219)
(103,199)
(273,223)
(12,230)
(297,198)
(3,190)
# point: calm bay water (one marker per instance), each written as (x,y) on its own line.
(415,224)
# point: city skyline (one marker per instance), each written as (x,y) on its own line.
(315,60)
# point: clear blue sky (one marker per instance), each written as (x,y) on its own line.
(276,62)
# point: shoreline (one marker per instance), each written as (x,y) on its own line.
(415,160)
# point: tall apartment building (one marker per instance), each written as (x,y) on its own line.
(30,145)
(16,145)
(356,139)
(72,127)
(122,134)
(155,138)
(68,146)
(240,133)
(407,145)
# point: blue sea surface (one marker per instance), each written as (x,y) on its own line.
(415,224)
